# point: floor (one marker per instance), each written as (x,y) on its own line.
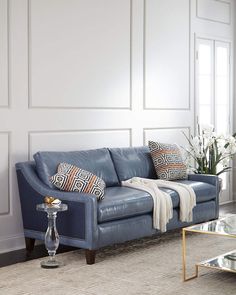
(40,251)
(228,208)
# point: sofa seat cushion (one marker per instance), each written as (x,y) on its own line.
(204,192)
(123,202)
(97,161)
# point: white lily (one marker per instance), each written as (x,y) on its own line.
(211,151)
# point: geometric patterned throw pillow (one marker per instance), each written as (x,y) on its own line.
(167,161)
(72,178)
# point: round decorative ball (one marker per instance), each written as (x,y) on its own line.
(48,199)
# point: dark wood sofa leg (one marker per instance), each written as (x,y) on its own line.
(90,256)
(29,244)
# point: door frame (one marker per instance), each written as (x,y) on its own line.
(230,197)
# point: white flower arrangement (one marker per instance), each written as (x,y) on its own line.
(211,152)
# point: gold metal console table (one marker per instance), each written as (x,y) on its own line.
(222,227)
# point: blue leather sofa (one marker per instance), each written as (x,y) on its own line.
(123,215)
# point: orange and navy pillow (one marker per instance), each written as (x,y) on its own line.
(71,178)
(167,161)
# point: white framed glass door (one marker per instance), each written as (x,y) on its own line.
(212,90)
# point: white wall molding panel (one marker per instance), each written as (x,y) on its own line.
(93,46)
(233,12)
(77,140)
(214,10)
(4,47)
(166,135)
(4,173)
(166,54)
(89,74)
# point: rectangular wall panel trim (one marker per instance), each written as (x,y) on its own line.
(7,212)
(74,132)
(145,130)
(212,19)
(188,106)
(4,54)
(32,105)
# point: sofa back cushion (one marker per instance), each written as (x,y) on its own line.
(96,161)
(133,162)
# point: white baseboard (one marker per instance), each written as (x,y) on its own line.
(11,243)
(227,202)
(234,197)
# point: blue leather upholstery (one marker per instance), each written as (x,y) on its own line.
(124,214)
(131,162)
(82,211)
(204,192)
(97,161)
(211,179)
(123,202)
(141,226)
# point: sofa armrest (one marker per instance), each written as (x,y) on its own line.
(80,221)
(210,179)
(33,180)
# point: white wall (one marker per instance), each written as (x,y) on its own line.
(79,74)
(234,104)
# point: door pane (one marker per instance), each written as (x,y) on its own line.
(205,114)
(205,82)
(222,102)
(222,87)
(205,89)
(204,59)
(222,119)
(222,90)
(221,60)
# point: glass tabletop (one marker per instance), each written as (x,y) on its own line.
(225,262)
(51,208)
(224,226)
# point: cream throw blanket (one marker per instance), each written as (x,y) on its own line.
(162,203)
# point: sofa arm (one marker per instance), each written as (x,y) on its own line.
(78,223)
(208,178)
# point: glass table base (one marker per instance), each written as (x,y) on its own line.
(51,263)
(51,237)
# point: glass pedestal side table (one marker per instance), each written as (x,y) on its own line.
(224,227)
(51,237)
